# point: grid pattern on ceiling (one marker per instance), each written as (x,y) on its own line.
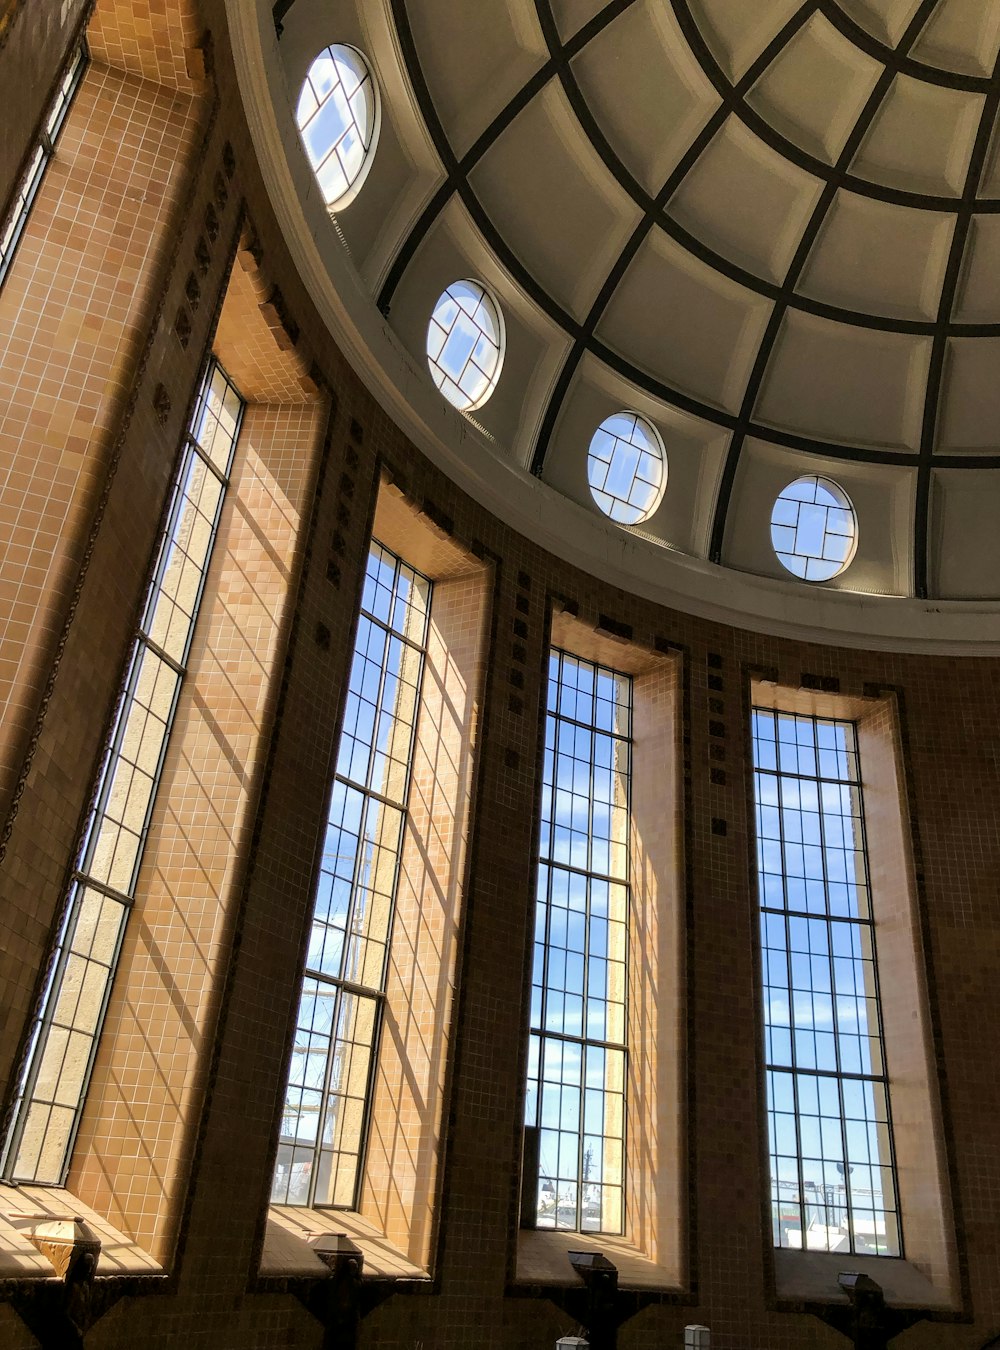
(785,295)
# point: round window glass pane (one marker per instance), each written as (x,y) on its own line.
(627,468)
(465,344)
(338,120)
(814,530)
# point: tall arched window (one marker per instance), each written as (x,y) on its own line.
(833,1176)
(577,1055)
(12,227)
(340,1013)
(66,1032)
(338,118)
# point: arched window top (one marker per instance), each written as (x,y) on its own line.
(338,118)
(814,530)
(465,344)
(627,468)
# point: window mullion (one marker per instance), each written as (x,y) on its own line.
(559,814)
(848,808)
(382,882)
(86,1021)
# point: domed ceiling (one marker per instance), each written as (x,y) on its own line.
(771,228)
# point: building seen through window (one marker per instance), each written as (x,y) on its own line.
(833,1183)
(326,1107)
(575,1108)
(65,1034)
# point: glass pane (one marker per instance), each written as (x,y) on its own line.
(12,227)
(54,1080)
(832,1171)
(323,1130)
(576,1087)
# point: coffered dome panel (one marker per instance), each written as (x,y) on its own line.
(965,509)
(886,20)
(962,35)
(989,181)
(857,387)
(978,299)
(501,45)
(878,567)
(403,172)
(554,201)
(709,360)
(648,94)
(733,171)
(877,257)
(453,251)
(695,450)
(969,415)
(815,88)
(738,32)
(921,138)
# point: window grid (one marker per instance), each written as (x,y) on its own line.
(27,190)
(626,468)
(577,1056)
(325,1118)
(465,344)
(336,117)
(64,1038)
(814,529)
(833,1177)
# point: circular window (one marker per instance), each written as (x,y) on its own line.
(814,530)
(627,468)
(465,342)
(338,117)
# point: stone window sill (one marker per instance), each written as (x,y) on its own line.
(811,1277)
(288,1255)
(22,1207)
(542,1260)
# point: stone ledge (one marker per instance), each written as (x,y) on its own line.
(811,1277)
(541,1259)
(288,1255)
(22,1207)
